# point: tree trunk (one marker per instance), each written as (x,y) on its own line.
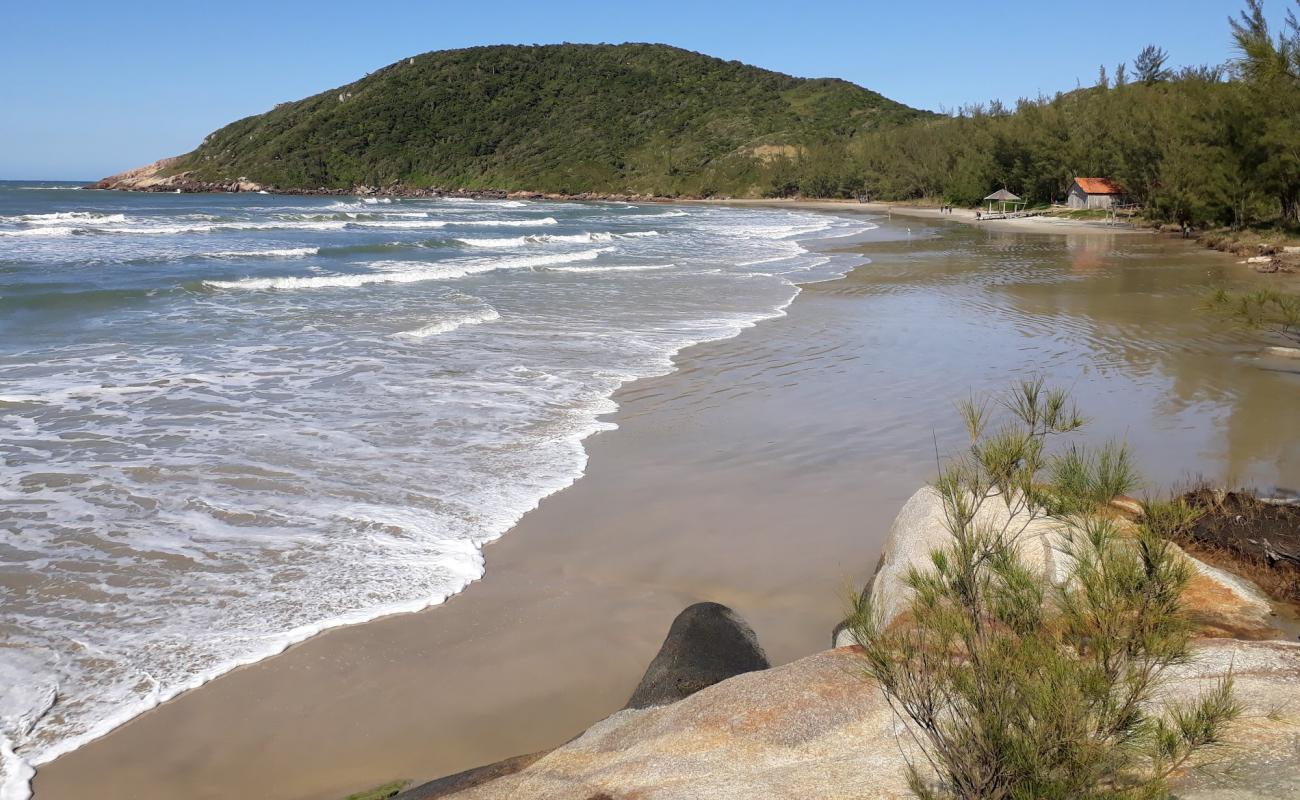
(1291,208)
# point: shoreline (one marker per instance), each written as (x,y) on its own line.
(966,216)
(146,179)
(141,180)
(546,536)
(604,422)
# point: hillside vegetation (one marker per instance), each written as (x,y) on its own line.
(634,118)
(1205,145)
(1211,145)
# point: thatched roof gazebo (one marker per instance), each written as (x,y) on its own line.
(1005,198)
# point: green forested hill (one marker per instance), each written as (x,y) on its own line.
(635,118)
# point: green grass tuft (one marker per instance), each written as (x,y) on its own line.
(383,792)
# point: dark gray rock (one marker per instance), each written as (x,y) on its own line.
(469,779)
(706,644)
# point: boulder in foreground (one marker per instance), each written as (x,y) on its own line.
(1218,602)
(816,729)
(706,644)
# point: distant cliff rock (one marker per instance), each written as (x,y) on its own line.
(167,175)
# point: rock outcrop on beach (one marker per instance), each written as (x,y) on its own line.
(164,175)
(818,728)
(1220,604)
(814,728)
(706,644)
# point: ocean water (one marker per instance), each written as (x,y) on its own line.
(228,422)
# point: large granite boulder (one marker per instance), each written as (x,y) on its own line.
(1221,604)
(707,643)
(818,728)
(710,719)
(454,785)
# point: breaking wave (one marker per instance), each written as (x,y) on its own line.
(544,238)
(448,325)
(404,272)
(288,252)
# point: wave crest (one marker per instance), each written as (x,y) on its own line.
(448,325)
(405,272)
(287,252)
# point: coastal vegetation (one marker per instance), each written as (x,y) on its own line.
(1215,145)
(390,789)
(1021,687)
(1269,310)
(1209,145)
(572,118)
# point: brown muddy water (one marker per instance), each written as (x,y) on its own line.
(763,473)
(1119,319)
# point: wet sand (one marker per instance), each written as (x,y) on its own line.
(969,216)
(763,474)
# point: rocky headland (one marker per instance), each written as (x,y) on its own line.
(160,177)
(711,719)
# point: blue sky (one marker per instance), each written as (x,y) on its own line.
(90,88)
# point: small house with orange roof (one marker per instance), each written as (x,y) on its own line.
(1094,193)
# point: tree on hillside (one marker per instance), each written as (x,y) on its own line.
(1149,67)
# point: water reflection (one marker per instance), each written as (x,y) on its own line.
(1117,317)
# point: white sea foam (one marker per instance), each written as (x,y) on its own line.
(299,428)
(405,272)
(62,217)
(23,704)
(405,224)
(613,268)
(466,202)
(288,252)
(53,230)
(175,229)
(512,241)
(510,223)
(546,238)
(353,212)
(448,325)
